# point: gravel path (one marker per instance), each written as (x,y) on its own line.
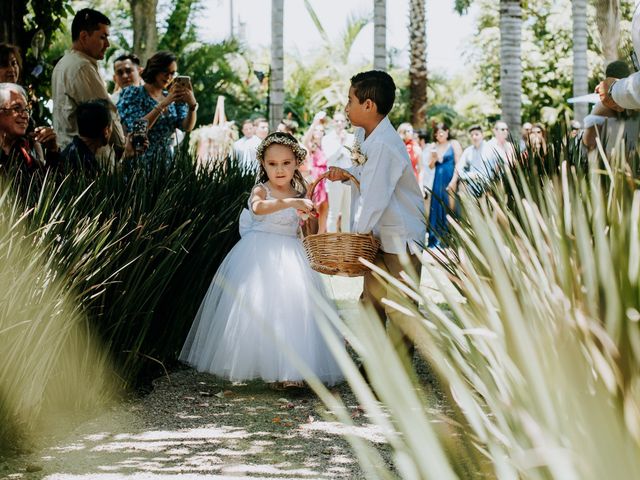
(195,425)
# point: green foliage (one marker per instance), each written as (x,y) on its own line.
(547,56)
(138,249)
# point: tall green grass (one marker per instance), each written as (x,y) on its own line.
(137,248)
(539,362)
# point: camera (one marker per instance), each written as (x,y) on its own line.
(139,135)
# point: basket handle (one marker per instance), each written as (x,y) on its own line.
(312,187)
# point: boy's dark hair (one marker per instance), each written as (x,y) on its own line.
(617,69)
(423,135)
(93,117)
(377,86)
(158,63)
(128,56)
(474,127)
(88,20)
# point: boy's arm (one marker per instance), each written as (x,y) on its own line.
(378,181)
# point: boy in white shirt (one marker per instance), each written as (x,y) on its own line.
(389,202)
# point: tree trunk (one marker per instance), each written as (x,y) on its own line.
(580,66)
(145,29)
(511,63)
(276,78)
(608,20)
(12,14)
(380,35)
(418,63)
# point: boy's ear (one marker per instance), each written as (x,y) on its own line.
(370,105)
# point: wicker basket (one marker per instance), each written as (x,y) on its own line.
(339,253)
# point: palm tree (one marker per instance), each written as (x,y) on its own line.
(380,34)
(580,66)
(418,64)
(145,30)
(276,78)
(511,62)
(608,20)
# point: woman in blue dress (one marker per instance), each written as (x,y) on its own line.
(445,153)
(164,105)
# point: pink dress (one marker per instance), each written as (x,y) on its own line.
(318,167)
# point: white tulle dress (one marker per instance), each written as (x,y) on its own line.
(263,304)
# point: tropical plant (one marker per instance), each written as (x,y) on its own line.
(418,62)
(536,355)
(511,62)
(145,28)
(380,34)
(276,77)
(608,21)
(580,66)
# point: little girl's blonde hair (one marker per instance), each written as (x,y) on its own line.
(288,140)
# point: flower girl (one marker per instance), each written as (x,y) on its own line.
(264,300)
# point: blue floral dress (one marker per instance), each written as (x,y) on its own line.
(134,103)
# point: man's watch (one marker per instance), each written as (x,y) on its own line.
(610,90)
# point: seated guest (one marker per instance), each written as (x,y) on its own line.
(10,63)
(126,72)
(18,150)
(94,130)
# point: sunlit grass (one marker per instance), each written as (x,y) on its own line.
(538,361)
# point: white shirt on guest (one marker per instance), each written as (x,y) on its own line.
(248,158)
(626,91)
(426,172)
(477,164)
(335,151)
(389,202)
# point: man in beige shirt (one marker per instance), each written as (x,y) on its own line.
(76,78)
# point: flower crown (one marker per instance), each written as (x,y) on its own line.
(281,138)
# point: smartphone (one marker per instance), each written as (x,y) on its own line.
(183,81)
(139,135)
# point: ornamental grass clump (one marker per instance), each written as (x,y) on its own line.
(538,363)
(137,247)
(51,363)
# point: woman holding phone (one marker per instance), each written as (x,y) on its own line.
(165,104)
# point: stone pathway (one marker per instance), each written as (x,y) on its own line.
(196,425)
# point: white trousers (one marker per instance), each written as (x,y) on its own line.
(339,205)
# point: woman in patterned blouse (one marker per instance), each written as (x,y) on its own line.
(165,106)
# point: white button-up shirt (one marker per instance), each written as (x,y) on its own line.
(389,202)
(477,164)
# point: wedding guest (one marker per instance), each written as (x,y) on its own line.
(10,63)
(576,127)
(389,203)
(445,156)
(126,72)
(287,125)
(427,173)
(27,153)
(502,149)
(260,131)
(240,144)
(525,130)
(538,139)
(477,164)
(94,130)
(405,130)
(76,78)
(316,166)
(166,106)
(335,145)
(608,124)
